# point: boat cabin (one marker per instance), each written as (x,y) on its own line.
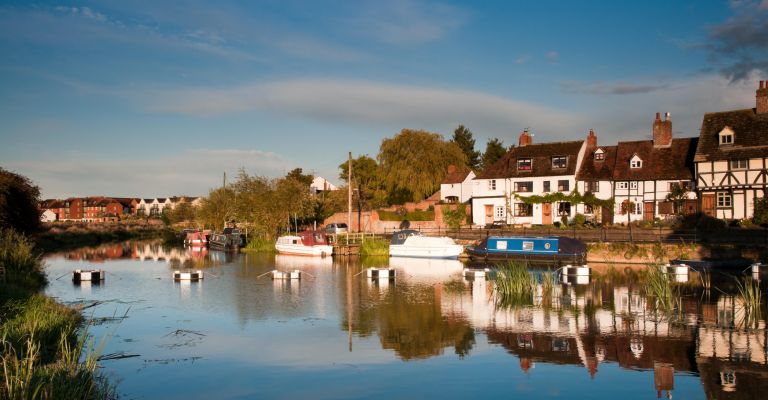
(306,238)
(400,237)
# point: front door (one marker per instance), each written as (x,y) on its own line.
(708,204)
(546,213)
(606,215)
(648,210)
(489,214)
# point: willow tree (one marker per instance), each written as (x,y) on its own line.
(414,162)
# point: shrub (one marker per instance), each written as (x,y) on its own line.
(579,220)
(374,247)
(260,246)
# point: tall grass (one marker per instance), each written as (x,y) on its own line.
(659,285)
(374,247)
(752,300)
(513,284)
(259,245)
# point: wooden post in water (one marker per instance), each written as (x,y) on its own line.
(349,192)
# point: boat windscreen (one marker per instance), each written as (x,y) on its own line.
(571,246)
(399,237)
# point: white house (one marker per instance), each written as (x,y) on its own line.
(646,171)
(526,170)
(48,216)
(595,176)
(732,159)
(320,184)
(457,186)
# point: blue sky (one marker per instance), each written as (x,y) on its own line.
(159,98)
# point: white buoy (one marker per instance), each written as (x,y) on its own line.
(474,273)
(91,275)
(678,272)
(187,275)
(380,273)
(286,275)
(583,270)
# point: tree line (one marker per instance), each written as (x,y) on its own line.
(409,167)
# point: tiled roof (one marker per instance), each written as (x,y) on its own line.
(597,170)
(673,162)
(750,139)
(541,157)
(455,177)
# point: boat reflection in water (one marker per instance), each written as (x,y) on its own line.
(426,270)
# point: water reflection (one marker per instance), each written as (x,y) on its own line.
(430,312)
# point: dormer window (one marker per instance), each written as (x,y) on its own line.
(635,162)
(599,155)
(726,136)
(524,164)
(559,161)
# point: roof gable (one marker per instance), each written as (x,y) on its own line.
(541,161)
(658,163)
(750,136)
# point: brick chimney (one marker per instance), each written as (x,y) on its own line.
(451,169)
(762,98)
(525,139)
(591,139)
(662,131)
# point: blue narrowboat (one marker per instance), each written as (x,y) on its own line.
(549,249)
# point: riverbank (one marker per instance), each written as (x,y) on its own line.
(58,237)
(46,352)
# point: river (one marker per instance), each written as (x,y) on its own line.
(428,333)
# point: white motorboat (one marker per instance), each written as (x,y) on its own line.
(410,243)
(307,243)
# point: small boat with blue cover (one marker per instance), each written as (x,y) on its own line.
(550,249)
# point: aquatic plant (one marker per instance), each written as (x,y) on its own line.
(374,247)
(751,299)
(659,285)
(513,284)
(260,245)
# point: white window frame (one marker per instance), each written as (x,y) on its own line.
(567,183)
(726,136)
(724,200)
(492,184)
(498,213)
(599,155)
(635,163)
(639,208)
(522,161)
(633,185)
(622,185)
(738,164)
(564,159)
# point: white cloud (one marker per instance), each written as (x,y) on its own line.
(408,21)
(372,103)
(192,172)
(553,56)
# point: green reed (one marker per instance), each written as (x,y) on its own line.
(752,300)
(513,285)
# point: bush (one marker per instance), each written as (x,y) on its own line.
(260,246)
(579,220)
(18,203)
(454,218)
(374,247)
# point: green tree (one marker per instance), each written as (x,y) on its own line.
(677,196)
(298,175)
(760,216)
(217,208)
(415,161)
(494,150)
(183,212)
(19,200)
(366,180)
(463,138)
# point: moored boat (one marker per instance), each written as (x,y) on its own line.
(307,243)
(195,239)
(550,249)
(228,240)
(410,243)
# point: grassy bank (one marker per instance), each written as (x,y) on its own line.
(65,237)
(40,340)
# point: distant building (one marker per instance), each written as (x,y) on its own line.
(48,216)
(320,184)
(457,186)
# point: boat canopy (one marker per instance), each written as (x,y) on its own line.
(399,237)
(313,238)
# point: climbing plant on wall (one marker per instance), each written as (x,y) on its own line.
(574,197)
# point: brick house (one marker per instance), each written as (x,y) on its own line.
(731,161)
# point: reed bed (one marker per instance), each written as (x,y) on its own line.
(659,285)
(513,285)
(374,247)
(752,300)
(259,245)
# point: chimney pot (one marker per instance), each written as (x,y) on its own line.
(658,116)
